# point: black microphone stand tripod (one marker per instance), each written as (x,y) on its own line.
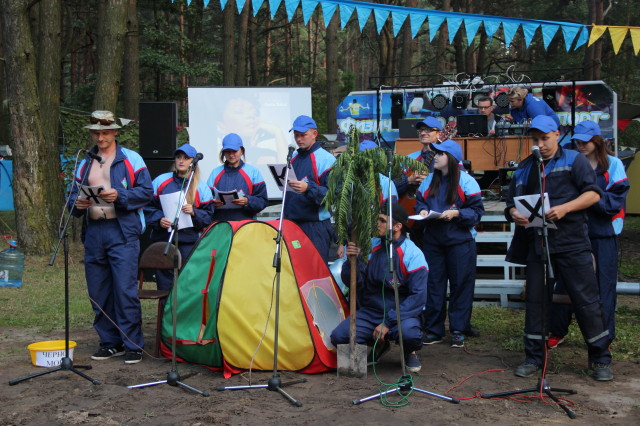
(275,384)
(548,278)
(405,384)
(66,363)
(174,378)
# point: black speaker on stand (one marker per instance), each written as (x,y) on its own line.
(158,129)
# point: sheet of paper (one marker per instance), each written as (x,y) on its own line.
(278,171)
(169,204)
(530,206)
(91,193)
(431,215)
(227,197)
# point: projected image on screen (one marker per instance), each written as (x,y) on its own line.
(261,116)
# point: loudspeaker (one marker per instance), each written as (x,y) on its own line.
(397,109)
(158,129)
(158,166)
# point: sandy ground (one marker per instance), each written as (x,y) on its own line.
(65,398)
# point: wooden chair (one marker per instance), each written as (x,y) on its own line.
(153,258)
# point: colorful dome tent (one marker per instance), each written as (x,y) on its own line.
(225,301)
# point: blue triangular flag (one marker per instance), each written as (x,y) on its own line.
(308,7)
(434,23)
(206,3)
(188,2)
(471,27)
(490,27)
(345,14)
(398,17)
(529,30)
(381,17)
(509,29)
(454,25)
(328,10)
(273,7)
(582,38)
(290,6)
(363,14)
(223,4)
(548,32)
(240,5)
(256,4)
(569,33)
(417,19)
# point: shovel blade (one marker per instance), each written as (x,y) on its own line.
(352,363)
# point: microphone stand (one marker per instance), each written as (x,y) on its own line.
(405,384)
(275,384)
(174,378)
(548,276)
(66,363)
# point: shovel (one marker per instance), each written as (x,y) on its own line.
(352,358)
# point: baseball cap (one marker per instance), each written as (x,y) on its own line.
(586,130)
(231,142)
(450,146)
(430,122)
(102,120)
(303,123)
(544,123)
(187,149)
(367,144)
(398,212)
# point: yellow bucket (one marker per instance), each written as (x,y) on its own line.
(49,353)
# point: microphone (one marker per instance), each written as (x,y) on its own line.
(197,158)
(290,154)
(96,157)
(535,151)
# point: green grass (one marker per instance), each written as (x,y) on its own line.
(632,223)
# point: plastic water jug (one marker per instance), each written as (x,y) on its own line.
(11,266)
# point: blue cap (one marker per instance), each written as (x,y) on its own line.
(231,142)
(586,130)
(303,123)
(188,150)
(430,122)
(450,146)
(544,123)
(367,144)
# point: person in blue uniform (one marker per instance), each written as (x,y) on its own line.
(376,315)
(449,243)
(524,106)
(605,220)
(570,181)
(387,187)
(303,205)
(237,175)
(198,204)
(111,237)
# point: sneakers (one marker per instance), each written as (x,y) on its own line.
(381,348)
(431,339)
(106,353)
(412,363)
(602,372)
(554,341)
(133,357)
(457,340)
(526,369)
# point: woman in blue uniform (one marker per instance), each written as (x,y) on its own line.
(605,223)
(236,175)
(449,242)
(198,203)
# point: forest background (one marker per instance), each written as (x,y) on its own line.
(61,59)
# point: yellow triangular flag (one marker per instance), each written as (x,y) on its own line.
(617,37)
(635,39)
(596,33)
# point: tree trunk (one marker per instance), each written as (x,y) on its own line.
(241,63)
(228,51)
(442,58)
(113,29)
(408,45)
(131,67)
(593,54)
(333,81)
(31,173)
(253,53)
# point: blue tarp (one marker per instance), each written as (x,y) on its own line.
(6,185)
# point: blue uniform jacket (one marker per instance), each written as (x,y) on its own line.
(168,183)
(412,271)
(568,175)
(248,181)
(468,202)
(311,166)
(533,107)
(384,187)
(130,177)
(606,217)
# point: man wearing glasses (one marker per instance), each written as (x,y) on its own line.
(486,107)
(428,131)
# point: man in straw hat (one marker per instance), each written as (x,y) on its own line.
(111,237)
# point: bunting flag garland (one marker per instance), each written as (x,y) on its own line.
(574,35)
(617,35)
